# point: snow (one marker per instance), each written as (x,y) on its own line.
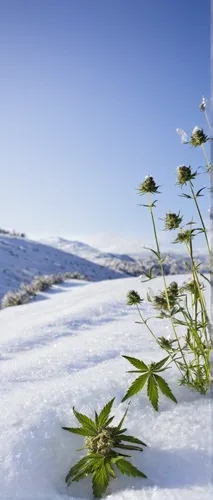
(66,350)
(22,259)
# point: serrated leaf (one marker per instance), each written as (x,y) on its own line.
(118,428)
(109,421)
(110,468)
(164,388)
(128,447)
(132,439)
(78,430)
(136,386)
(152,392)
(100,481)
(140,365)
(105,412)
(78,468)
(85,421)
(125,467)
(159,364)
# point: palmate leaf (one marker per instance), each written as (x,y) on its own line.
(125,467)
(140,365)
(100,481)
(136,386)
(105,412)
(152,392)
(164,388)
(85,421)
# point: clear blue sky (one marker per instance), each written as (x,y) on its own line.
(92,92)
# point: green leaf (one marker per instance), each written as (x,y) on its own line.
(118,428)
(132,439)
(110,468)
(140,365)
(78,468)
(100,481)
(78,430)
(159,364)
(104,415)
(85,421)
(184,195)
(154,251)
(198,193)
(125,467)
(136,386)
(128,447)
(164,388)
(152,392)
(109,421)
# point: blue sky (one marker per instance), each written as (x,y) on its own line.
(92,92)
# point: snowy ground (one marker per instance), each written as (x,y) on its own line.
(66,350)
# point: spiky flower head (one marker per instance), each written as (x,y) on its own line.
(203,104)
(198,137)
(184,236)
(185,174)
(165,343)
(165,301)
(133,298)
(172,221)
(148,186)
(102,443)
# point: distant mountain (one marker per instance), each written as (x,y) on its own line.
(22,259)
(131,265)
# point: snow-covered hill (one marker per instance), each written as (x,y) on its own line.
(22,259)
(132,265)
(66,351)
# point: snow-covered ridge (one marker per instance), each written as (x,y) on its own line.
(22,259)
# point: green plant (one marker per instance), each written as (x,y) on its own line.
(184,306)
(101,443)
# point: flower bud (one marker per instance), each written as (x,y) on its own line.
(133,298)
(172,221)
(148,186)
(198,137)
(184,174)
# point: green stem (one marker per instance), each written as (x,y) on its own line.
(200,215)
(207,119)
(164,280)
(206,158)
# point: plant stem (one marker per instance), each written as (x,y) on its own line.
(206,158)
(200,215)
(164,280)
(207,119)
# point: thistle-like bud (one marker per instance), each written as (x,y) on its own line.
(148,186)
(160,302)
(198,137)
(172,221)
(102,443)
(203,104)
(133,298)
(184,236)
(165,343)
(185,174)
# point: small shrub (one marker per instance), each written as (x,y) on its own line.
(42,283)
(29,289)
(103,442)
(15,298)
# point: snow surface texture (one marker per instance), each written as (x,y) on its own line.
(22,259)
(66,351)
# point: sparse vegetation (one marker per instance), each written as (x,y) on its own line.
(12,233)
(39,284)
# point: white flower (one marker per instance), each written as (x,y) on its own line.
(203,104)
(183,134)
(196,129)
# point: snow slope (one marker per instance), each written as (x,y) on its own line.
(66,350)
(22,259)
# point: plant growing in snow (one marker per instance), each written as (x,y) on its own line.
(15,298)
(191,352)
(101,443)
